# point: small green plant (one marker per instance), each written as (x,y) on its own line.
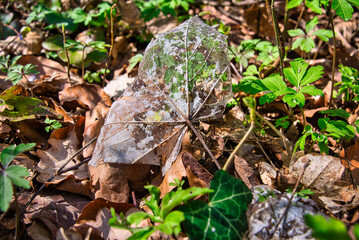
(302,193)
(243,53)
(305,39)
(11,175)
(53,124)
(134,61)
(152,9)
(164,218)
(329,229)
(282,122)
(15,72)
(339,130)
(349,86)
(267,52)
(95,76)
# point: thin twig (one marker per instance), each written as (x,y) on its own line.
(291,197)
(56,173)
(239,76)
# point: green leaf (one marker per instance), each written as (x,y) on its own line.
(297,43)
(311,90)
(307,44)
(135,60)
(356,231)
(137,217)
(142,233)
(17,174)
(224,216)
(314,5)
(153,203)
(323,34)
(336,113)
(174,199)
(312,75)
(296,32)
(343,9)
(9,153)
(294,3)
(6,192)
(274,82)
(331,229)
(172,223)
(53,43)
(311,24)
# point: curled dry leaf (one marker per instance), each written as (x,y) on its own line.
(184,77)
(195,172)
(243,170)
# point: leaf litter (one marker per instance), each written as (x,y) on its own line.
(184,77)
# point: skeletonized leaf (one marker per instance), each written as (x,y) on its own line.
(184,76)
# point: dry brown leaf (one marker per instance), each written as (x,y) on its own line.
(196,169)
(324,176)
(243,170)
(64,143)
(353,159)
(84,95)
(99,227)
(112,182)
(54,211)
(195,181)
(95,119)
(89,212)
(38,230)
(267,173)
(63,234)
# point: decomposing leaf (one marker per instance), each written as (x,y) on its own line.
(224,217)
(324,176)
(54,211)
(183,77)
(64,143)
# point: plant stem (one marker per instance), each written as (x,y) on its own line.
(112,37)
(303,115)
(66,52)
(334,54)
(277,36)
(249,131)
(285,32)
(83,60)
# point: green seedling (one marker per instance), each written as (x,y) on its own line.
(15,72)
(267,52)
(53,124)
(339,130)
(243,53)
(152,9)
(349,86)
(302,193)
(11,175)
(164,217)
(305,39)
(282,122)
(134,61)
(95,76)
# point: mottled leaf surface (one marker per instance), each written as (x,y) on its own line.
(224,217)
(184,75)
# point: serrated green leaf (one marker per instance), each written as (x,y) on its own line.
(311,24)
(6,192)
(137,217)
(311,90)
(307,44)
(224,216)
(17,174)
(172,223)
(331,229)
(297,43)
(274,82)
(314,5)
(312,75)
(323,34)
(343,9)
(296,32)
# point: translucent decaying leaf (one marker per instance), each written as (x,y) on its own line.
(184,76)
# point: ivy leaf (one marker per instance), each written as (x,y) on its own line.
(224,216)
